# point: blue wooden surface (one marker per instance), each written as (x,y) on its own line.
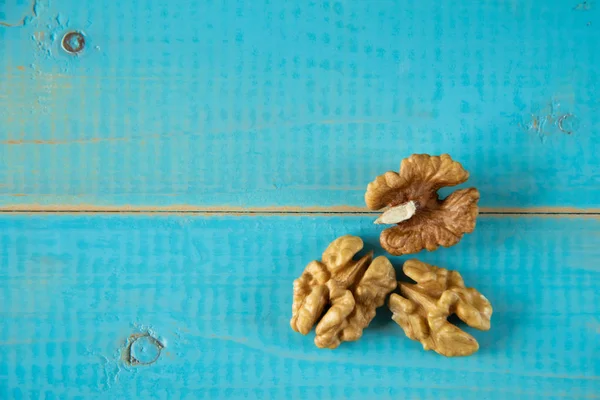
(293,103)
(285,106)
(217,291)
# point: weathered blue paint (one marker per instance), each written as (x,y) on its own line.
(264,103)
(288,103)
(217,293)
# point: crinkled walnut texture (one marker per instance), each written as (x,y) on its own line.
(352,289)
(423,220)
(425,307)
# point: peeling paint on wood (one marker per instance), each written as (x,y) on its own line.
(32,13)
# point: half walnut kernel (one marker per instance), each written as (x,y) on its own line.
(423,309)
(423,220)
(347,291)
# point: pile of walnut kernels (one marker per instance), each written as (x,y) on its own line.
(340,294)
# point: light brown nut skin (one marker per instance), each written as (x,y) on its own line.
(436,222)
(423,308)
(353,289)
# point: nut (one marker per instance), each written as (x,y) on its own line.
(423,220)
(352,288)
(426,305)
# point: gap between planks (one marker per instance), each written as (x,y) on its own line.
(288,210)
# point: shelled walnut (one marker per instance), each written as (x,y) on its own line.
(353,290)
(423,220)
(424,307)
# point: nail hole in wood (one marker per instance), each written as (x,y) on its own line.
(73,42)
(142,349)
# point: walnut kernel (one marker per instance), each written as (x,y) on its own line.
(423,220)
(353,290)
(424,307)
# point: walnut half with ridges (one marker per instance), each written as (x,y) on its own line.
(341,293)
(422,219)
(423,309)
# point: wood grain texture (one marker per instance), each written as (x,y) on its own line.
(288,103)
(217,292)
(269,107)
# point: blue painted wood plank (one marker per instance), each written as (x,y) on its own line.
(278,103)
(217,292)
